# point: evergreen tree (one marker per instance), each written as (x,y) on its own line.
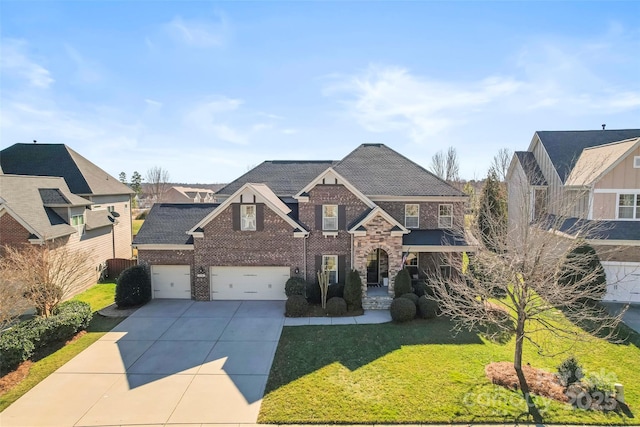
(492,213)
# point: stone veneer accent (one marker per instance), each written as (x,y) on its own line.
(378,236)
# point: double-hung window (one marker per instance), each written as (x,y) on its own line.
(629,206)
(77,220)
(330,217)
(412,216)
(248,217)
(330,265)
(445,216)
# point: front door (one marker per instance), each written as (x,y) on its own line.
(373,268)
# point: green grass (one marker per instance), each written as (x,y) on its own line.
(98,296)
(421,373)
(137,223)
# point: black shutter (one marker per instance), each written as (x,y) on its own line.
(235,214)
(318,217)
(318,265)
(342,217)
(342,268)
(259,217)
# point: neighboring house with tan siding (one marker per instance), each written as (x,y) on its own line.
(179,194)
(53,193)
(591,176)
(374,211)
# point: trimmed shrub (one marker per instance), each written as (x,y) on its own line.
(335,290)
(420,288)
(142,215)
(313,293)
(20,342)
(402,284)
(570,371)
(428,308)
(353,290)
(402,310)
(296,306)
(295,286)
(133,287)
(582,269)
(336,306)
(410,296)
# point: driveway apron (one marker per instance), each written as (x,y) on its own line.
(170,362)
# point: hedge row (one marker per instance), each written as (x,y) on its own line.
(20,342)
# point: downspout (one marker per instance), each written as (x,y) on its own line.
(304,256)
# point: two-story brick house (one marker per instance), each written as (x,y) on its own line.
(373,211)
(589,176)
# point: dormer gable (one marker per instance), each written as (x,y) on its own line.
(331,177)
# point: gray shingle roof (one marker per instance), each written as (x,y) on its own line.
(564,147)
(22,195)
(602,229)
(285,177)
(531,168)
(433,238)
(98,219)
(168,223)
(52,196)
(82,176)
(377,170)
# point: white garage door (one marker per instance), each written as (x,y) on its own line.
(171,281)
(243,283)
(623,281)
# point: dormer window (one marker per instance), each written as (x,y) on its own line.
(248,217)
(412,216)
(330,217)
(77,220)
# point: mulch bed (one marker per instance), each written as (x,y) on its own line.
(541,383)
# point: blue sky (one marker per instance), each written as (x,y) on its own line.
(208,89)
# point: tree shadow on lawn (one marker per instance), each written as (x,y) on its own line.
(622,334)
(306,349)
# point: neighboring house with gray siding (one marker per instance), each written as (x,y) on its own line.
(374,211)
(591,176)
(50,193)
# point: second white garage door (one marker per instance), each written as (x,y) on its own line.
(623,280)
(248,283)
(171,281)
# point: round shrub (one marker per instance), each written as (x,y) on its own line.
(133,287)
(402,284)
(402,310)
(336,306)
(428,308)
(16,346)
(313,293)
(411,296)
(295,286)
(420,288)
(296,306)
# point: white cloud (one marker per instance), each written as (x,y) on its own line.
(16,61)
(392,99)
(86,71)
(209,116)
(199,33)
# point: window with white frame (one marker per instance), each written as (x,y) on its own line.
(412,216)
(636,162)
(629,206)
(77,220)
(330,265)
(445,216)
(329,217)
(248,217)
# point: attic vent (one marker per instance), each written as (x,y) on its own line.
(636,162)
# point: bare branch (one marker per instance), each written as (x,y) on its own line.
(158,181)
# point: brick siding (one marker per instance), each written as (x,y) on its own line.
(428,213)
(174,257)
(11,232)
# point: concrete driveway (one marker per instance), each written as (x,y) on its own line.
(172,361)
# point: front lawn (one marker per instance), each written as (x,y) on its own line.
(420,372)
(99,297)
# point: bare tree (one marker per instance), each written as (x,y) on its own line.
(158,182)
(500,163)
(446,165)
(512,286)
(46,274)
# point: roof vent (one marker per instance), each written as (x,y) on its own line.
(604,125)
